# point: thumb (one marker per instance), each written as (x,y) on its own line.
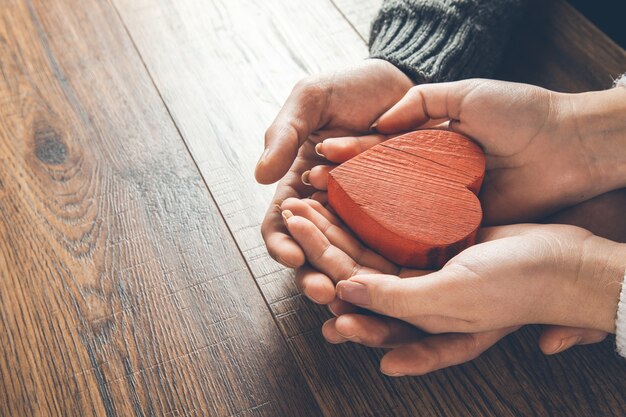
(556,339)
(300,116)
(424,103)
(389,295)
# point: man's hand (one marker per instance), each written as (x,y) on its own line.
(337,104)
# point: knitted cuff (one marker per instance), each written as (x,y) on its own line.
(444,40)
(620,321)
(620,81)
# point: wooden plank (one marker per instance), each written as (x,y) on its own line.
(360,14)
(223,69)
(558,48)
(121,290)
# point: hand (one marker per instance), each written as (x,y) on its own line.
(341,103)
(545,150)
(334,251)
(520,274)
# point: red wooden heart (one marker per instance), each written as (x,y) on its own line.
(413,198)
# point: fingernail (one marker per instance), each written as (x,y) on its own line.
(282,262)
(353,292)
(392,373)
(567,343)
(263,155)
(318,150)
(374,126)
(353,339)
(305,177)
(287,214)
(330,308)
(309,297)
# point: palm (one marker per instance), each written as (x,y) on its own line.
(335,105)
(535,165)
(339,255)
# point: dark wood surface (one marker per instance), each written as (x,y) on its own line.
(133,277)
(121,292)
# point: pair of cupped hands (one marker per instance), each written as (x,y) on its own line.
(545,152)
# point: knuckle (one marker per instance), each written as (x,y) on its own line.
(414,91)
(314,204)
(429,359)
(396,305)
(473,347)
(291,203)
(378,338)
(355,270)
(354,145)
(310,85)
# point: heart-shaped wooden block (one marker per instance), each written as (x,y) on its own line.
(413,198)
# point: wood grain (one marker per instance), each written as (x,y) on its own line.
(570,55)
(360,14)
(223,69)
(413,198)
(122,292)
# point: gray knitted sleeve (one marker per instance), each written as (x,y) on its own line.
(444,40)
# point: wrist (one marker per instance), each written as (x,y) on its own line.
(599,282)
(600,126)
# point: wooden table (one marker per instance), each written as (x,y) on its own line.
(133,277)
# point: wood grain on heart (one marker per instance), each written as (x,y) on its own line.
(413,198)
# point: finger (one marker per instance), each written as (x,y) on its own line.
(324,210)
(343,238)
(330,333)
(424,103)
(414,273)
(397,297)
(301,114)
(279,243)
(603,216)
(327,211)
(339,307)
(318,287)
(317,176)
(329,225)
(318,250)
(320,197)
(339,150)
(557,339)
(439,351)
(375,331)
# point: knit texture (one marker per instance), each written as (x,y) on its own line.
(620,321)
(444,40)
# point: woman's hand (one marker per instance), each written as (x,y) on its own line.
(545,150)
(332,248)
(336,104)
(520,274)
